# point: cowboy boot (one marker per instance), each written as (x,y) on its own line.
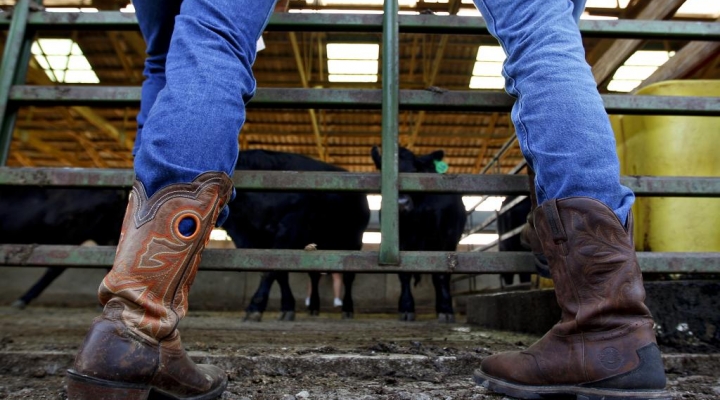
(133,349)
(604,345)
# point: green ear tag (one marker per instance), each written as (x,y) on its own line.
(441,167)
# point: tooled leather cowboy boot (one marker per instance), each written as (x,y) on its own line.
(604,345)
(133,349)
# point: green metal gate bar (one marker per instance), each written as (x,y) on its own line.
(357,261)
(433,24)
(646,186)
(389,223)
(14,54)
(456,100)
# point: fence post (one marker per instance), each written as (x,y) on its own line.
(389,226)
(17,53)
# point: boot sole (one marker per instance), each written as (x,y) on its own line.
(565,391)
(83,387)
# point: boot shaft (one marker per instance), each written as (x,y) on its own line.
(159,251)
(592,259)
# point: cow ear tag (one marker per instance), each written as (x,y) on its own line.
(441,167)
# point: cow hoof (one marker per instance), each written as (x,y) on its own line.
(19,304)
(347,315)
(254,316)
(408,316)
(287,316)
(314,313)
(446,318)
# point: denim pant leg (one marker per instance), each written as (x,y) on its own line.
(561,123)
(156,19)
(193,125)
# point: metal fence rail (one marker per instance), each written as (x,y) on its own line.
(357,261)
(493,184)
(457,100)
(14,94)
(434,24)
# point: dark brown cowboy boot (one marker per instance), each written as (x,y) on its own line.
(604,345)
(133,350)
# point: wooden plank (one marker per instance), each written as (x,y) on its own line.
(620,50)
(687,60)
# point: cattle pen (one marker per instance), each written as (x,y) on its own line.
(373,356)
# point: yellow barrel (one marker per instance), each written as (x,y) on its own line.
(673,146)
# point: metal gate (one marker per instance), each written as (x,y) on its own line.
(13,94)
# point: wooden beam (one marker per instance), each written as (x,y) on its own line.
(710,70)
(120,52)
(282,5)
(21,159)
(46,149)
(38,76)
(28,138)
(243,142)
(453,8)
(101,123)
(486,142)
(135,41)
(416,130)
(686,61)
(304,82)
(84,143)
(620,50)
(89,149)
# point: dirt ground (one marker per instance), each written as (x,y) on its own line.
(370,357)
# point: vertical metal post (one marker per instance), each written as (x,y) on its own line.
(15,49)
(389,226)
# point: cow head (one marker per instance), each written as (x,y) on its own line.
(409,162)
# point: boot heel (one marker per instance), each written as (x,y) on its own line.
(82,387)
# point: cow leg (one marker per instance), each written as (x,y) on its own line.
(443,298)
(259,301)
(347,307)
(406,306)
(50,275)
(314,307)
(287,299)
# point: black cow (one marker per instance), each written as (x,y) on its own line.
(268,220)
(512,219)
(68,216)
(294,220)
(516,217)
(428,222)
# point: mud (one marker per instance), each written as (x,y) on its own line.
(371,357)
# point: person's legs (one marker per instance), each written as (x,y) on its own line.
(156,20)
(309,293)
(194,123)
(561,123)
(188,150)
(314,307)
(337,288)
(604,346)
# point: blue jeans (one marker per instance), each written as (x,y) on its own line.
(198,79)
(561,123)
(200,54)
